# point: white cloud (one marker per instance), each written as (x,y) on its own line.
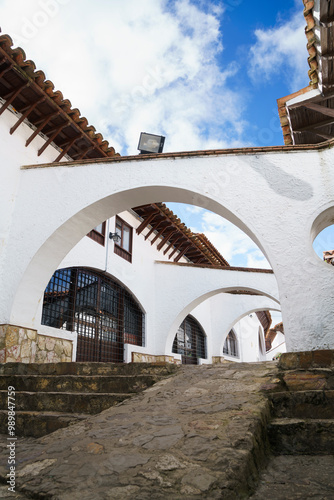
(134,66)
(281,49)
(235,246)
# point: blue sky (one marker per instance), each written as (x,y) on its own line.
(204,73)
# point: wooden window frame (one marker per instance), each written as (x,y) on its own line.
(118,247)
(97,236)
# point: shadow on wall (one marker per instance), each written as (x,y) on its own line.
(284,183)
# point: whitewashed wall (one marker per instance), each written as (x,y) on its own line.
(279,198)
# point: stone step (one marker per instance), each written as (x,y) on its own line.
(87,369)
(37,424)
(68,402)
(303,404)
(79,383)
(293,436)
(316,379)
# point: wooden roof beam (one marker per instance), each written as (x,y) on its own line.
(146,221)
(311,128)
(13,95)
(67,148)
(176,248)
(82,154)
(181,254)
(153,228)
(172,243)
(4,71)
(28,110)
(55,127)
(320,109)
(160,233)
(43,123)
(324,136)
(51,138)
(166,238)
(200,260)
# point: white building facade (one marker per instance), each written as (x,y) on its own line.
(60,180)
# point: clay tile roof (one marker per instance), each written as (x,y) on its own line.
(271,334)
(328,256)
(28,90)
(177,238)
(22,86)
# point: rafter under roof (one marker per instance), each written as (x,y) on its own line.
(308,117)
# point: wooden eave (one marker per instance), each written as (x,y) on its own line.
(174,238)
(30,94)
(312,121)
(265,319)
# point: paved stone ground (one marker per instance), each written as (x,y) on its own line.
(198,434)
(301,477)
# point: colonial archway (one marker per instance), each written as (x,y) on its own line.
(190,341)
(225,182)
(102,313)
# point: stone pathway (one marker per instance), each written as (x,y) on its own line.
(301,477)
(198,434)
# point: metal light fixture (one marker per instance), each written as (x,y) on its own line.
(115,237)
(150,143)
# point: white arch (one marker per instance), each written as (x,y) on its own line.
(246,313)
(230,315)
(45,259)
(271,194)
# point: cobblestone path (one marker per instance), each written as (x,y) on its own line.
(198,434)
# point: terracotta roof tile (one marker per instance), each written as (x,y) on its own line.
(76,134)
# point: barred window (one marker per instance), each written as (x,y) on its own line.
(102,312)
(231,345)
(190,341)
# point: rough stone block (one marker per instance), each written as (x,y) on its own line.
(217,360)
(41,342)
(33,351)
(13,353)
(32,335)
(59,349)
(41,356)
(302,381)
(323,359)
(50,343)
(67,348)
(305,359)
(289,361)
(51,357)
(22,335)
(26,349)
(12,336)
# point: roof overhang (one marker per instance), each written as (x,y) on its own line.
(307,116)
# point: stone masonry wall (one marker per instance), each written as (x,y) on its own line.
(27,346)
(138,357)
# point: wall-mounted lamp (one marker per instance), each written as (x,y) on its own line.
(115,237)
(150,143)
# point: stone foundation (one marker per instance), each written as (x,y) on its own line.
(217,360)
(307,359)
(27,346)
(138,357)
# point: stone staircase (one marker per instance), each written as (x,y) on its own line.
(54,395)
(302,405)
